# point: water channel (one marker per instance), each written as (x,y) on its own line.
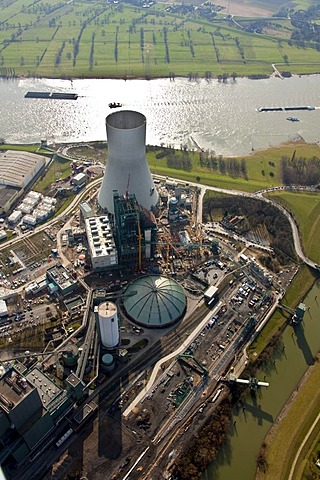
(238,458)
(216,116)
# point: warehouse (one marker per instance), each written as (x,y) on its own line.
(18,169)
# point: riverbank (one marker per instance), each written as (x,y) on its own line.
(290,428)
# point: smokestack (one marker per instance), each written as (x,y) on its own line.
(127,169)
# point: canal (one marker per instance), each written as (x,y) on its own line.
(250,424)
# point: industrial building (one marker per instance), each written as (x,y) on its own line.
(18,168)
(135,230)
(154,301)
(127,168)
(85,210)
(102,248)
(60,280)
(8,196)
(31,404)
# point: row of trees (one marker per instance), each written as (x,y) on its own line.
(204,448)
(180,162)
(300,170)
(225,166)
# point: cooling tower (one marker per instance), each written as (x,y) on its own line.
(127,169)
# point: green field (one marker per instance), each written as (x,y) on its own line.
(263,167)
(99,39)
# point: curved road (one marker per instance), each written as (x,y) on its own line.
(257,195)
(203,189)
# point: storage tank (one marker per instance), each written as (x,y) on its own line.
(127,169)
(108,362)
(108,324)
(70,355)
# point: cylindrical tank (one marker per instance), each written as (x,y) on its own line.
(173,203)
(108,362)
(70,356)
(127,169)
(108,324)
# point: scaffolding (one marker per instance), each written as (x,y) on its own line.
(128,232)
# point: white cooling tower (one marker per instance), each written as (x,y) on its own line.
(127,169)
(108,324)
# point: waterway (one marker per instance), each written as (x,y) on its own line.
(220,117)
(238,458)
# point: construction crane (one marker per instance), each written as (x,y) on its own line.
(253,382)
(127,189)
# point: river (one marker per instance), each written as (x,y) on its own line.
(238,458)
(215,116)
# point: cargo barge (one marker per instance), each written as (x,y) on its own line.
(52,95)
(284,109)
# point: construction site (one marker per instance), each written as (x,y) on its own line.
(128,326)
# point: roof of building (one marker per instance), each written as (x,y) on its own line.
(156,301)
(100,237)
(7,193)
(61,277)
(15,166)
(47,390)
(13,388)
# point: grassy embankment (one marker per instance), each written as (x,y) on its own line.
(81,39)
(263,167)
(305,208)
(298,289)
(285,438)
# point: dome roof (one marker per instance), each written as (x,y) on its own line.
(156,301)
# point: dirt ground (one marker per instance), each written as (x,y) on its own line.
(243,9)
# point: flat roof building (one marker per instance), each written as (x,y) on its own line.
(101,243)
(60,277)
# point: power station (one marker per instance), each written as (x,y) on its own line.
(127,168)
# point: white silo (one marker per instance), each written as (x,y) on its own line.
(127,170)
(108,324)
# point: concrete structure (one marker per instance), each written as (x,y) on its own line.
(15,217)
(102,248)
(60,280)
(8,196)
(127,168)
(79,179)
(3,308)
(85,210)
(29,220)
(155,301)
(31,404)
(18,168)
(107,362)
(108,324)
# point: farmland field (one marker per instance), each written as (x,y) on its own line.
(121,40)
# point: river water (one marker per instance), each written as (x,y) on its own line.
(216,116)
(238,458)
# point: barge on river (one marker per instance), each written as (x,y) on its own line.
(52,95)
(284,109)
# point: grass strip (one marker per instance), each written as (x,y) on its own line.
(291,427)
